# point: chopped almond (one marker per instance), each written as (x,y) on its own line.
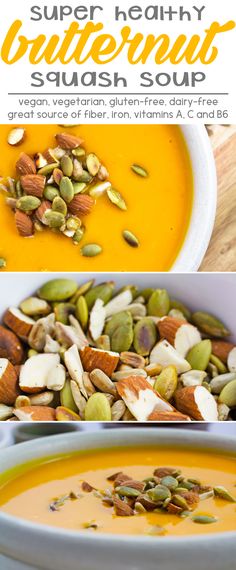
(183,336)
(197,402)
(165,354)
(157,416)
(221,349)
(21,324)
(105,360)
(140,398)
(9,387)
(35,372)
(35,414)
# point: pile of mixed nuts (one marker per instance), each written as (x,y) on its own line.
(165,491)
(56,189)
(89,352)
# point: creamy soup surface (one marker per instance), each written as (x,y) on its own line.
(158,207)
(29,493)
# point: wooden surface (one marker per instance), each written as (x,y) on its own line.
(221,253)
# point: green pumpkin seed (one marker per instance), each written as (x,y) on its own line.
(179,501)
(66,397)
(159,493)
(54,219)
(116,198)
(78,235)
(210,325)
(175,304)
(146,293)
(159,303)
(224,494)
(66,165)
(59,205)
(81,311)
(85,177)
(79,152)
(78,187)
(139,170)
(199,356)
(218,363)
(103,291)
(91,250)
(228,394)
(57,289)
(130,238)
(204,519)
(169,482)
(50,192)
(66,189)
(3,262)
(93,164)
(145,336)
(120,331)
(62,312)
(33,306)
(48,169)
(28,203)
(18,190)
(127,491)
(97,408)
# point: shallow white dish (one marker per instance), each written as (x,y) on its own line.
(28,546)
(211,292)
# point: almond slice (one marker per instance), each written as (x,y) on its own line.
(197,402)
(24,224)
(10,346)
(156,416)
(183,336)
(18,322)
(9,388)
(34,373)
(221,349)
(140,398)
(25,165)
(40,160)
(16,136)
(74,366)
(41,328)
(56,378)
(33,184)
(68,335)
(105,360)
(44,207)
(165,354)
(231,360)
(119,303)
(35,414)
(97,319)
(68,141)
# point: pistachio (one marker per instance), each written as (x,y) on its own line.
(103,291)
(57,289)
(166,382)
(28,203)
(78,235)
(199,356)
(50,192)
(62,312)
(130,238)
(159,303)
(145,336)
(223,493)
(91,250)
(48,169)
(139,170)
(3,262)
(59,205)
(81,311)
(97,408)
(98,189)
(210,325)
(159,493)
(228,394)
(54,219)
(120,330)
(66,189)
(66,165)
(66,397)
(116,198)
(93,164)
(78,187)
(204,519)
(35,306)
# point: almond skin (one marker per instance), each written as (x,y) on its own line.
(9,387)
(19,323)
(67,141)
(10,346)
(33,184)
(81,205)
(168,328)
(92,358)
(44,206)
(168,417)
(221,349)
(25,165)
(36,414)
(24,224)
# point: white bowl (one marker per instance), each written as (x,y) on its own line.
(211,292)
(26,546)
(204,199)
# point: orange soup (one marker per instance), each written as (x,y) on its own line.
(37,492)
(158,205)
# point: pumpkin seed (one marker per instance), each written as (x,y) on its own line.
(175,304)
(228,394)
(34,306)
(54,219)
(166,382)
(169,482)
(97,408)
(179,501)
(93,164)
(81,311)
(50,192)
(159,303)
(204,519)
(159,493)
(218,363)
(59,205)
(120,330)
(79,152)
(91,250)
(66,189)
(224,494)
(62,312)
(66,397)
(139,170)
(57,289)
(146,293)
(28,203)
(103,291)
(3,262)
(66,165)
(210,325)
(127,491)
(199,356)
(85,177)
(78,187)
(130,238)
(116,198)
(145,336)
(48,169)
(78,235)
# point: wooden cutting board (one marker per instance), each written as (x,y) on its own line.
(221,253)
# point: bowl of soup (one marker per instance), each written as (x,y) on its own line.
(165,195)
(49,519)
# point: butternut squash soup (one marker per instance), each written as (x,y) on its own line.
(126,491)
(134,181)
